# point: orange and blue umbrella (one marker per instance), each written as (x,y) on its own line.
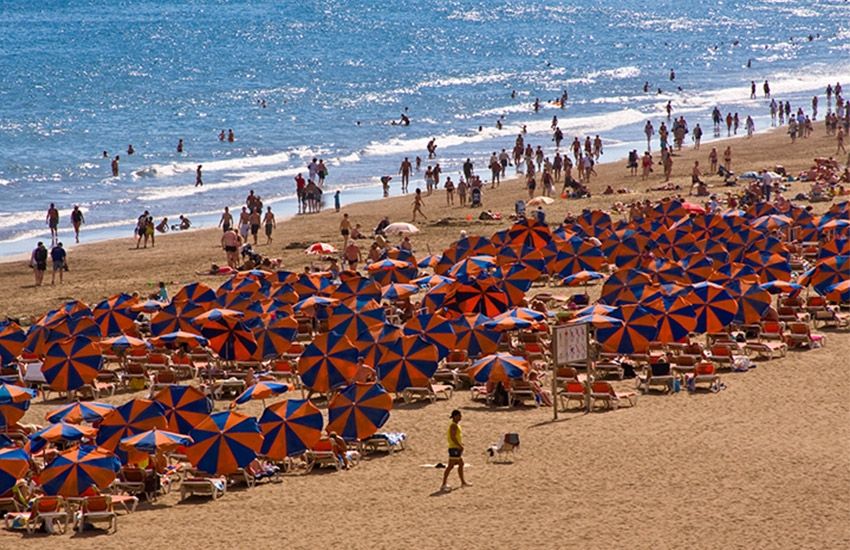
(176,316)
(399,291)
(473,336)
(290,428)
(484,296)
(525,313)
(114,314)
(781,287)
(357,287)
(12,338)
(389,271)
(329,362)
(439,296)
(595,309)
(698,268)
(62,432)
(351,318)
(148,306)
(217,314)
(285,294)
(230,339)
(771,222)
(124,343)
(517,279)
(625,286)
(14,465)
(369,343)
(715,308)
(835,247)
(826,273)
(275,336)
(431,260)
(72,363)
(10,393)
(428,281)
(359,411)
(261,390)
(669,211)
(663,270)
(594,222)
(625,252)
(499,367)
(11,413)
(839,292)
(312,302)
(155,440)
(131,418)
(225,442)
(507,324)
(597,320)
(41,337)
(770,267)
(582,278)
(184,407)
(472,267)
(75,471)
(676,318)
(529,233)
(753,304)
(435,329)
(80,411)
(409,362)
(197,293)
(179,338)
(575,255)
(639,328)
(309,284)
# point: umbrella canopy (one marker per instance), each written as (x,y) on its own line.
(184,407)
(124,343)
(176,316)
(639,328)
(715,308)
(225,442)
(507,324)
(399,291)
(12,338)
(351,318)
(359,410)
(408,362)
(330,361)
(275,336)
(197,293)
(753,304)
(148,306)
(131,418)
(114,315)
(435,329)
(41,337)
(230,339)
(839,292)
(370,343)
(80,411)
(575,255)
(780,287)
(61,432)
(72,363)
(676,318)
(155,440)
(484,296)
(357,287)
(828,272)
(401,228)
(10,393)
(582,278)
(473,336)
(11,413)
(290,428)
(14,465)
(499,367)
(74,472)
(178,338)
(261,390)
(217,314)
(625,286)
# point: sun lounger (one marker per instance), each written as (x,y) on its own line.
(721,354)
(96,509)
(656,375)
(214,487)
(705,373)
(830,318)
(430,392)
(519,391)
(506,448)
(8,502)
(573,391)
(565,374)
(604,393)
(766,349)
(389,442)
(481,393)
(242,476)
(609,368)
(321,456)
(52,512)
(801,335)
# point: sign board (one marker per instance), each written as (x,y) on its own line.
(570,344)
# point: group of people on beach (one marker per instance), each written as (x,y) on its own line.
(58,257)
(52,220)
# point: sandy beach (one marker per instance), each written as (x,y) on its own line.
(762,464)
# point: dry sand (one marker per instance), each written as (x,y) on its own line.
(762,464)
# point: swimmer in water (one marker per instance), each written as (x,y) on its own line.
(130,149)
(180,146)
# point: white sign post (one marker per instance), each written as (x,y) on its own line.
(570,343)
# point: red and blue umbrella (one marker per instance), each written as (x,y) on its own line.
(499,367)
(676,318)
(625,286)
(359,410)
(357,287)
(329,362)
(753,304)
(409,362)
(275,336)
(72,363)
(517,279)
(484,296)
(230,339)
(131,418)
(435,329)
(56,433)
(399,291)
(639,328)
(114,314)
(290,428)
(74,472)
(225,442)
(439,296)
(473,336)
(80,411)
(177,316)
(197,293)
(370,343)
(14,465)
(261,390)
(184,407)
(155,440)
(12,338)
(715,308)
(351,318)
(576,255)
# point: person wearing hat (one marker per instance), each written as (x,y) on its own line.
(455,441)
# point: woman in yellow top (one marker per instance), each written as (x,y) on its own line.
(455,442)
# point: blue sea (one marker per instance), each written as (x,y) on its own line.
(81,77)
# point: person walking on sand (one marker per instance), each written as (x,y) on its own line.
(38,262)
(59,258)
(455,444)
(649,131)
(269,223)
(417,204)
(712,161)
(405,170)
(450,192)
(727,158)
(345,229)
(839,138)
(254,220)
(230,242)
(76,221)
(53,222)
(199,180)
(226,221)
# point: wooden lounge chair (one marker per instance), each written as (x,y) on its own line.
(801,335)
(49,511)
(430,392)
(766,349)
(519,391)
(603,392)
(705,373)
(481,393)
(321,456)
(831,318)
(656,375)
(504,449)
(214,487)
(772,330)
(721,354)
(573,391)
(96,509)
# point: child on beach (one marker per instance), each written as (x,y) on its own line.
(417,205)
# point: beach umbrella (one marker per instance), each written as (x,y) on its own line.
(498,367)
(401,228)
(12,338)
(624,285)
(715,308)
(184,407)
(639,328)
(507,324)
(275,336)
(179,338)
(484,296)
(474,245)
(350,319)
(41,337)
(780,287)
(148,306)
(676,318)
(359,410)
(309,284)
(594,222)
(131,418)
(330,361)
(225,442)
(524,313)
(771,222)
(399,291)
(10,393)
(472,267)
(473,336)
(835,247)
(429,261)
(114,315)
(11,413)
(753,304)
(176,316)
(72,363)
(595,309)
(411,361)
(517,279)
(123,343)
(312,302)
(439,296)
(261,390)
(284,294)
(357,287)
(290,428)
(597,321)
(529,233)
(389,271)
(79,411)
(625,252)
(77,470)
(320,249)
(196,293)
(71,309)
(56,433)
(14,465)
(575,255)
(770,267)
(370,342)
(663,270)
(153,441)
(435,329)
(697,268)
(839,292)
(217,314)
(828,272)
(230,339)
(581,278)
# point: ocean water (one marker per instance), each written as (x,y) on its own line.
(84,76)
